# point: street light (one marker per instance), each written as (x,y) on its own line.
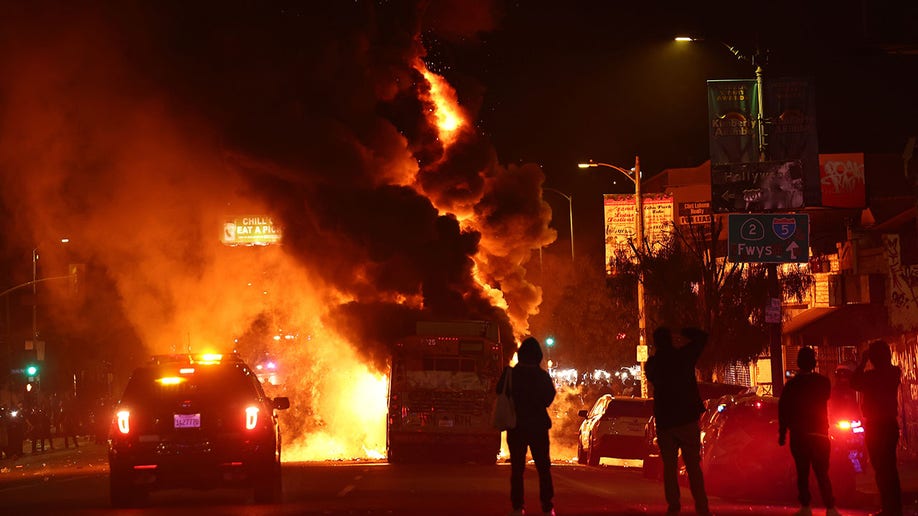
(775,350)
(756,61)
(570,207)
(634,175)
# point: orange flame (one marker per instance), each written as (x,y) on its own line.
(443,106)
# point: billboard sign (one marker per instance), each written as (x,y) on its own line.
(769,238)
(841,179)
(620,221)
(250,230)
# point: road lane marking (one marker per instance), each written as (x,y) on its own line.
(347,489)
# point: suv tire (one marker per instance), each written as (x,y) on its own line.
(268,487)
(123,494)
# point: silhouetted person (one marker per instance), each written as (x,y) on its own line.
(803,410)
(843,403)
(39,422)
(532,391)
(677,406)
(69,421)
(880,388)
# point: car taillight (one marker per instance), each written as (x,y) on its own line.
(251,417)
(853,425)
(124,421)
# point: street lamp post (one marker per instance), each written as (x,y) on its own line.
(570,207)
(35,282)
(34,295)
(635,176)
(774,287)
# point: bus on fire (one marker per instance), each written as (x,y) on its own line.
(441,391)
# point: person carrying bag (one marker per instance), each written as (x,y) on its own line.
(532,393)
(504,417)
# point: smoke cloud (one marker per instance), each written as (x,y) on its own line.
(138,130)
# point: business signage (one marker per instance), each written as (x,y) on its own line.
(251,230)
(694,213)
(769,238)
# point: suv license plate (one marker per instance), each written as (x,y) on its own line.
(187,420)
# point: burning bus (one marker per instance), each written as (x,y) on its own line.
(441,391)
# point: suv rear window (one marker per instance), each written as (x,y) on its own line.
(208,384)
(628,409)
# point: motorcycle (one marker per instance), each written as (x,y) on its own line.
(848,458)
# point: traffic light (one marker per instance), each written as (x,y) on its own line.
(550,341)
(31,370)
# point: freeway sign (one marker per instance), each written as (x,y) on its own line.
(769,238)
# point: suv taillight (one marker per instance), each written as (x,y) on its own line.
(123,419)
(251,417)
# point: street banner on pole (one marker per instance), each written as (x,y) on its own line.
(790,107)
(733,108)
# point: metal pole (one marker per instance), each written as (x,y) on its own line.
(570,208)
(761,114)
(775,349)
(34,295)
(639,234)
(570,213)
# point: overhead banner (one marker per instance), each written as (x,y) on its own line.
(733,109)
(762,186)
(790,108)
(620,212)
(250,230)
(841,179)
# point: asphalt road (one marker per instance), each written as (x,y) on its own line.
(76,482)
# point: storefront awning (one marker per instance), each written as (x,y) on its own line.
(847,325)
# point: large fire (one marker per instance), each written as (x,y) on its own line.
(392,207)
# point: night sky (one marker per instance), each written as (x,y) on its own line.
(565,82)
(316,110)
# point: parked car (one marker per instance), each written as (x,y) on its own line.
(194,421)
(614,427)
(740,452)
(741,456)
(714,395)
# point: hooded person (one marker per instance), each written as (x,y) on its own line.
(879,387)
(532,391)
(677,407)
(803,412)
